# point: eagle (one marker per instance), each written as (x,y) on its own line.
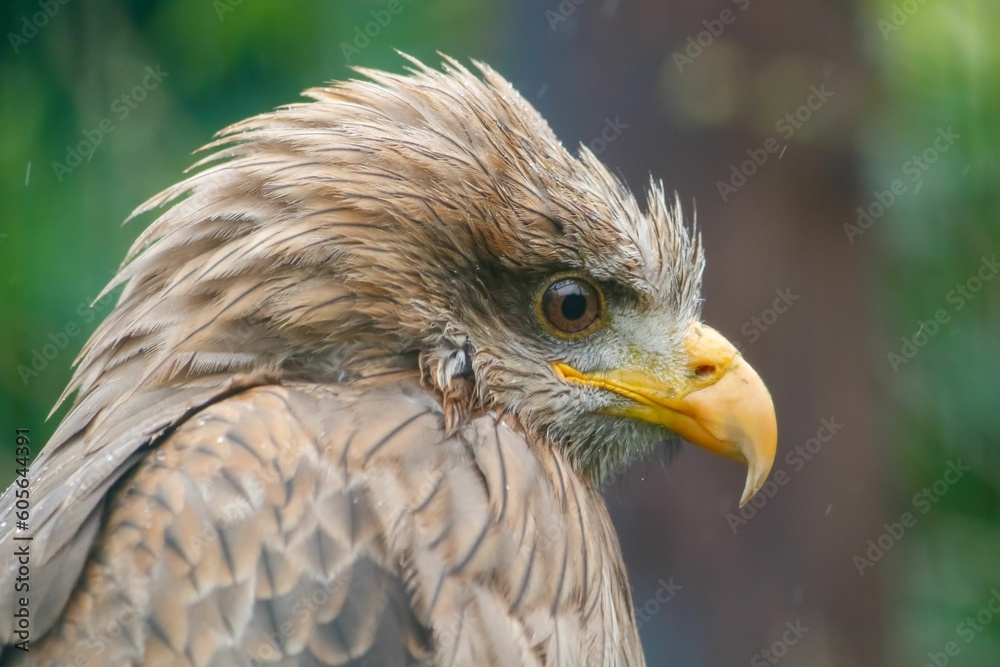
(367,374)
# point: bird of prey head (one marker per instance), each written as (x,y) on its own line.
(406,334)
(434,221)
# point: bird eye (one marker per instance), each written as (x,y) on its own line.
(570,306)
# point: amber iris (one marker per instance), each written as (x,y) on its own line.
(571,306)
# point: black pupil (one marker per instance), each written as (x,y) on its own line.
(574,305)
(569,305)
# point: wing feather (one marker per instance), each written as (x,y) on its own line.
(341,525)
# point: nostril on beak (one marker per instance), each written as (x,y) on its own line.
(705,370)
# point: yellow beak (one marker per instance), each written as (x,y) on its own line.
(721,406)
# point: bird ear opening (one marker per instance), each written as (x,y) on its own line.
(448,373)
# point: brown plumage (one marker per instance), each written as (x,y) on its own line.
(331,421)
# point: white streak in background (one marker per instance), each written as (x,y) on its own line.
(785,127)
(27,175)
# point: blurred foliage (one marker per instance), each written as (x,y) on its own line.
(939,67)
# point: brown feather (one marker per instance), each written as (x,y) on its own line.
(317,378)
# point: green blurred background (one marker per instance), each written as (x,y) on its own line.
(698,93)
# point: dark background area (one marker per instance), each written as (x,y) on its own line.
(883,326)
